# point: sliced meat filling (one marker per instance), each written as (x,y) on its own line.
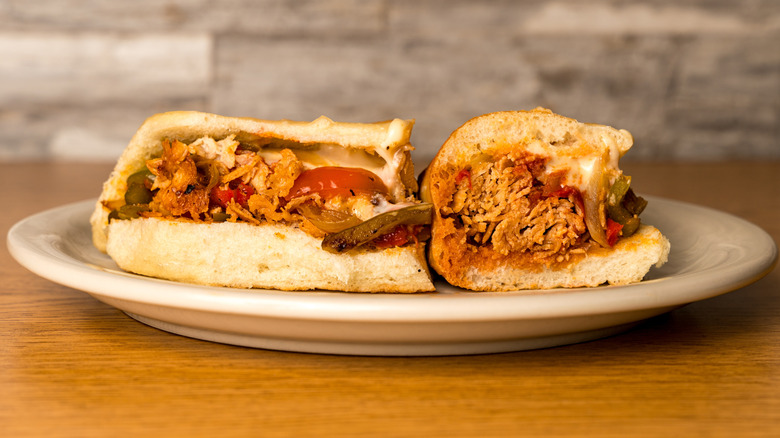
(504,205)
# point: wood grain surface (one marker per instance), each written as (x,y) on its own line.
(72,366)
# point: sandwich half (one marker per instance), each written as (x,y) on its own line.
(535,200)
(248,203)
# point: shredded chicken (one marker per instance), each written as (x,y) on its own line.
(238,212)
(272,184)
(186,174)
(180,191)
(210,180)
(222,151)
(503,204)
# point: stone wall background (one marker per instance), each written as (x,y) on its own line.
(692,80)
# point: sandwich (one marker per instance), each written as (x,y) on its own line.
(536,200)
(247,203)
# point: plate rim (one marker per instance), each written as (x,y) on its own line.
(366,307)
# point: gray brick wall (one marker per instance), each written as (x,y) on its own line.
(690,79)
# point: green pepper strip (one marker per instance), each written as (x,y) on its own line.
(137,193)
(634,204)
(137,196)
(623,206)
(420,214)
(128,212)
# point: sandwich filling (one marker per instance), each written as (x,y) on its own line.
(217,180)
(522,206)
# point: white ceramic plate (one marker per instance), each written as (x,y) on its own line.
(712,253)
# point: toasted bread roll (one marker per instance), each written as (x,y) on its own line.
(271,256)
(241,202)
(531,199)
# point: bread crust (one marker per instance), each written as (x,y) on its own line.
(233,253)
(389,139)
(537,133)
(627,262)
(270,256)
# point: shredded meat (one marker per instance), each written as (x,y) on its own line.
(180,191)
(503,204)
(272,185)
(209,180)
(238,212)
(222,152)
(186,174)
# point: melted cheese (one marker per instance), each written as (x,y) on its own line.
(386,165)
(385,161)
(588,170)
(383,206)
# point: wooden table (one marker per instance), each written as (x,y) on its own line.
(72,366)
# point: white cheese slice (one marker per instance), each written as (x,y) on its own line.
(386,166)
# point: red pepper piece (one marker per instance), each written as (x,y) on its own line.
(463,174)
(399,236)
(236,190)
(613,232)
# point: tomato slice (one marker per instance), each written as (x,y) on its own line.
(332,181)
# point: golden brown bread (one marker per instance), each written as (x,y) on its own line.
(389,140)
(520,203)
(268,255)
